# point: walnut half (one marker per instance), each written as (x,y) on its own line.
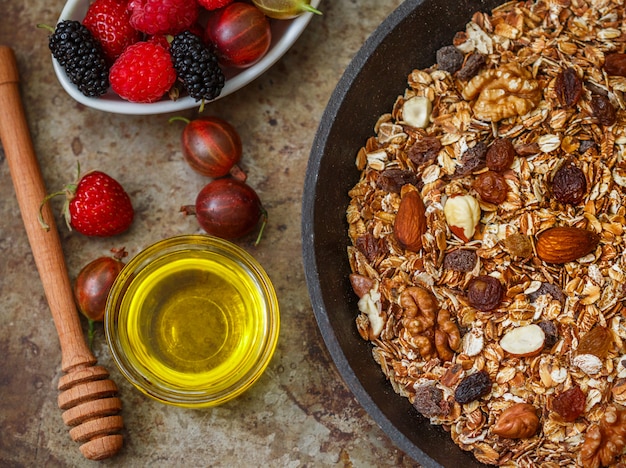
(605,440)
(503,92)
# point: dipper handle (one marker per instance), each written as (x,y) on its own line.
(88,397)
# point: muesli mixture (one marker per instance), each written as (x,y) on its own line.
(488,236)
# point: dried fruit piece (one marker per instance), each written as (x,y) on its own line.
(425,150)
(526,341)
(569,184)
(473,387)
(500,155)
(564,244)
(518,421)
(569,404)
(449,59)
(491,187)
(518,245)
(392,180)
(474,62)
(410,222)
(615,64)
(548,288)
(462,215)
(568,88)
(427,400)
(460,260)
(473,159)
(603,111)
(597,341)
(369,246)
(485,292)
(551,332)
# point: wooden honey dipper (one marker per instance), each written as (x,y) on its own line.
(88,397)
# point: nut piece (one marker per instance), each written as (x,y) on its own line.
(462,215)
(526,341)
(565,244)
(416,112)
(519,421)
(604,441)
(410,221)
(504,92)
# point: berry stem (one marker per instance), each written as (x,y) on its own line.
(177,118)
(263,224)
(311,9)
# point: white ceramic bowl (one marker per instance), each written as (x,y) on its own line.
(284,35)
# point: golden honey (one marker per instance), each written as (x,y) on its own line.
(192,321)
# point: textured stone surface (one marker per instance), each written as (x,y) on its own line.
(300,413)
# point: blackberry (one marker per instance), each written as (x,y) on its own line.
(196,66)
(81,56)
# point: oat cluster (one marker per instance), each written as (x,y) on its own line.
(488,236)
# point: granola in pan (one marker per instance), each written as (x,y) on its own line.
(488,236)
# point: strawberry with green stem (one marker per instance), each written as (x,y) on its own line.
(95,205)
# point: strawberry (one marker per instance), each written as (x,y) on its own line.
(96,206)
(214,4)
(163,16)
(143,73)
(109,22)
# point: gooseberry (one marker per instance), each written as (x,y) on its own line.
(240,33)
(228,208)
(285,9)
(93,284)
(212,147)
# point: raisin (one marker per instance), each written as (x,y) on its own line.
(615,64)
(425,150)
(392,180)
(484,292)
(473,387)
(551,332)
(568,87)
(548,288)
(518,245)
(474,62)
(473,159)
(460,260)
(586,145)
(603,110)
(427,400)
(449,59)
(500,155)
(569,184)
(491,187)
(570,404)
(369,246)
(597,341)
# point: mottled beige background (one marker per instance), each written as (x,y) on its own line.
(300,413)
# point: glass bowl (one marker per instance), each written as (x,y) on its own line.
(192,321)
(284,35)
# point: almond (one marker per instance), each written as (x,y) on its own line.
(526,341)
(565,244)
(410,223)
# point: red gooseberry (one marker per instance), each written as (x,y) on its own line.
(240,33)
(212,147)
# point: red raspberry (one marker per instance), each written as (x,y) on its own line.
(109,22)
(143,73)
(163,16)
(214,4)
